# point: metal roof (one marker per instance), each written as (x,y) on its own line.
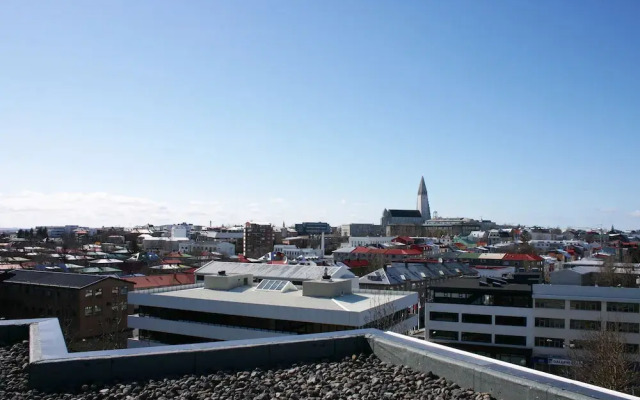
(275,271)
(59,279)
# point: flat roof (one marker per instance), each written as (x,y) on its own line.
(358,301)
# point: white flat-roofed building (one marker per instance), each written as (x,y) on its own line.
(355,241)
(231,307)
(534,325)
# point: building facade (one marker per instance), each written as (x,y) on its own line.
(360,230)
(530,325)
(87,306)
(313,228)
(231,307)
(258,240)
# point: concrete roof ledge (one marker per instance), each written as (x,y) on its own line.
(52,367)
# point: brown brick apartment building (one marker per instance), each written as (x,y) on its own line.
(87,306)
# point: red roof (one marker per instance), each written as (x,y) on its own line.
(521,257)
(171,261)
(153,281)
(356,263)
(370,250)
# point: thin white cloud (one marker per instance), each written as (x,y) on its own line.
(29,208)
(636,214)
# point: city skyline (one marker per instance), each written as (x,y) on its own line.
(158,112)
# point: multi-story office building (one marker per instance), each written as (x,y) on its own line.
(313,228)
(360,230)
(534,325)
(258,239)
(231,307)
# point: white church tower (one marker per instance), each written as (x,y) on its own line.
(423,201)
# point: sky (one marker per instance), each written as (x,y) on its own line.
(127,113)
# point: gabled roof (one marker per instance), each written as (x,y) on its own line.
(58,279)
(522,257)
(153,281)
(405,213)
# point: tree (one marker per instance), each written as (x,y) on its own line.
(602,358)
(525,236)
(382,315)
(616,274)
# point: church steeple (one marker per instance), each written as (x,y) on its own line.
(423,201)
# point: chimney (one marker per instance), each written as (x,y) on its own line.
(222,273)
(322,244)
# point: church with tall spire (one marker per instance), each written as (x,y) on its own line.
(423,201)
(418,216)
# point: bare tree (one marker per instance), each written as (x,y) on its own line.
(383,314)
(603,358)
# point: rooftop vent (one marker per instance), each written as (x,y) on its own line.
(222,273)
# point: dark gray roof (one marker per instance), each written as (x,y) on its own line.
(59,279)
(472,283)
(414,272)
(405,213)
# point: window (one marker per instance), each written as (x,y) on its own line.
(97,310)
(114,290)
(511,340)
(124,290)
(476,337)
(477,319)
(88,311)
(623,307)
(549,323)
(585,305)
(631,348)
(584,324)
(88,293)
(443,316)
(511,321)
(550,303)
(98,292)
(549,342)
(626,327)
(445,335)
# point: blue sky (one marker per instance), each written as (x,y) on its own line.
(160,111)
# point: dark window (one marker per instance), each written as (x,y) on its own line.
(511,340)
(585,305)
(443,316)
(584,324)
(550,303)
(626,327)
(549,342)
(445,335)
(511,321)
(623,307)
(550,323)
(631,348)
(477,319)
(476,337)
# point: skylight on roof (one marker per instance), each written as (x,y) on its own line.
(404,278)
(422,274)
(273,285)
